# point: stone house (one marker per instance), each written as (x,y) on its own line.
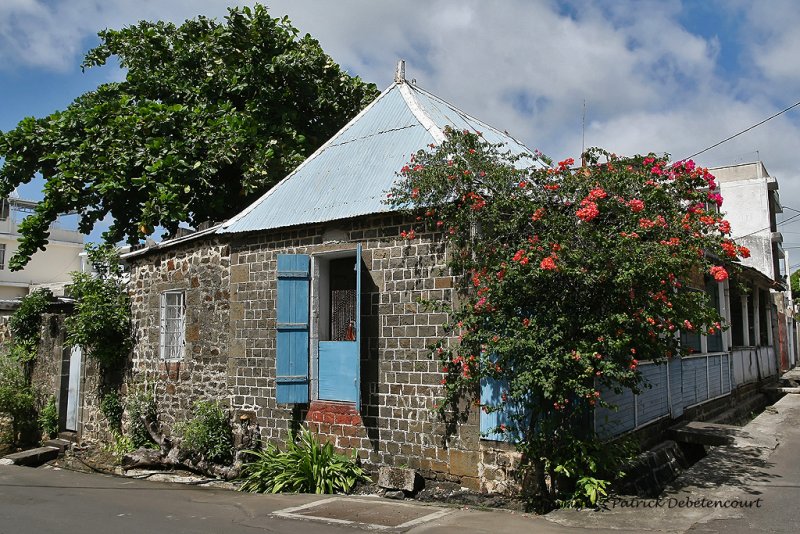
(303,310)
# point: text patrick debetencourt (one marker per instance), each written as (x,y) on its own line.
(684,502)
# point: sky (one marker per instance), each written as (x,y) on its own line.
(629,76)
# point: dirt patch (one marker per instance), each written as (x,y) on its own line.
(91,458)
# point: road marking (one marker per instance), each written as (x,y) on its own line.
(295,512)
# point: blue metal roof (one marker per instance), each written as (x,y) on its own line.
(350,175)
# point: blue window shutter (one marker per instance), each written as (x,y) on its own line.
(491,393)
(513,414)
(292,329)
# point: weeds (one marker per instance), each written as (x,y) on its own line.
(305,467)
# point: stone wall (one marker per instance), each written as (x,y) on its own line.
(49,371)
(202,271)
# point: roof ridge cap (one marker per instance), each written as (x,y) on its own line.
(419,112)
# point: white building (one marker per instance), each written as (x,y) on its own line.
(49,268)
(751,204)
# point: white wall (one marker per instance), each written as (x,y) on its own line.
(745,193)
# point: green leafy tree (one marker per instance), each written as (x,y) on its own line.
(210,115)
(569,277)
(794,280)
(101,321)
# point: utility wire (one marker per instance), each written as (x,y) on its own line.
(742,132)
(768,227)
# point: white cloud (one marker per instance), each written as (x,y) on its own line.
(525,66)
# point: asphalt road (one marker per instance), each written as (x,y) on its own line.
(44,501)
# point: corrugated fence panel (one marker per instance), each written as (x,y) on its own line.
(726,373)
(714,376)
(652,401)
(610,423)
(695,388)
(676,386)
(767,361)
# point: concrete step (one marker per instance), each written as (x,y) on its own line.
(791,378)
(700,433)
(60,444)
(68,435)
(33,457)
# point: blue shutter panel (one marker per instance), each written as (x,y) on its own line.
(491,392)
(292,329)
(340,361)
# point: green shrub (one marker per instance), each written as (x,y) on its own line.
(17,400)
(48,418)
(141,410)
(305,467)
(208,434)
(112,408)
(602,461)
(120,445)
(26,322)
(101,321)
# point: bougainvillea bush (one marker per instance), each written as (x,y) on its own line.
(568,277)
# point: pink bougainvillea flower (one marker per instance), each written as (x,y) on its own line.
(715,198)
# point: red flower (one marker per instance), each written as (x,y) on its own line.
(744,252)
(636,205)
(522,184)
(729,248)
(724,227)
(548,264)
(597,193)
(519,255)
(551,187)
(538,214)
(719,273)
(588,211)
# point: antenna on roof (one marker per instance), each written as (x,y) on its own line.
(400,73)
(583,135)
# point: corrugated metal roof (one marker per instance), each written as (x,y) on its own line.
(350,174)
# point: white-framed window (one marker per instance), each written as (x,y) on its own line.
(173,323)
(2,256)
(707,343)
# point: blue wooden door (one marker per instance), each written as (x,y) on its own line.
(340,361)
(292,329)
